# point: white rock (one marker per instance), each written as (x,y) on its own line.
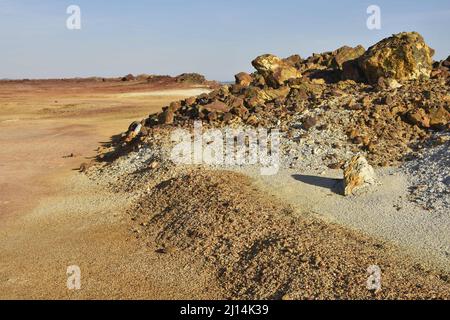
(358,173)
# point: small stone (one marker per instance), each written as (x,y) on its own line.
(190,101)
(153,165)
(358,173)
(227,117)
(217,106)
(309,122)
(439,117)
(85,166)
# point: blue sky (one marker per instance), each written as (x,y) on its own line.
(217,38)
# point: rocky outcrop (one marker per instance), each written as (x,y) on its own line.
(191,78)
(404,56)
(274,70)
(385,120)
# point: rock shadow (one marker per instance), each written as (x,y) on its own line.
(332,184)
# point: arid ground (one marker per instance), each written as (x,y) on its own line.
(51,216)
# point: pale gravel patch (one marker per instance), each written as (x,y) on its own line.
(429,178)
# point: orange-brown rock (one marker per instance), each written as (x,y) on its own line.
(243,79)
(274,70)
(419,117)
(217,106)
(404,56)
(439,117)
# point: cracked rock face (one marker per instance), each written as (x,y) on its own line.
(358,173)
(404,56)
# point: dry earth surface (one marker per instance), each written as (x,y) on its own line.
(52,217)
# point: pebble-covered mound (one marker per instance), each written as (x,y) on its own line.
(382,102)
(258,249)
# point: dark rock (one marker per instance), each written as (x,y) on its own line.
(128,77)
(191,78)
(309,122)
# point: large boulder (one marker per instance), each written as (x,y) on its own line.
(274,70)
(404,56)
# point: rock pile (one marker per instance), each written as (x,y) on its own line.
(380,102)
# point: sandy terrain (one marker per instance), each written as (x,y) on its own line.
(51,216)
(42,124)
